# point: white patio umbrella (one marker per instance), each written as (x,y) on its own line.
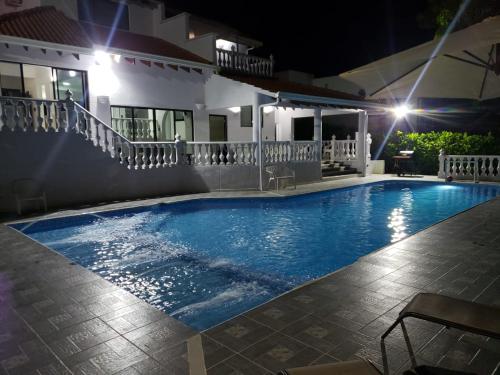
(466,66)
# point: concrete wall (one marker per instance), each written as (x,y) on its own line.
(73,172)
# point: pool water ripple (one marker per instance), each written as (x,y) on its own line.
(204,261)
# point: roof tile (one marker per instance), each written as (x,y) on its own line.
(51,25)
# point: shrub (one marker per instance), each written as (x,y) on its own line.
(426,147)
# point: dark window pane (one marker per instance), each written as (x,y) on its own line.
(121,121)
(144,125)
(10,79)
(184,125)
(70,80)
(165,128)
(246,116)
(38,81)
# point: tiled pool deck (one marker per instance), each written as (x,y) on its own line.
(59,318)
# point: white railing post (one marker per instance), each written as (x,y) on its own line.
(179,150)
(368,153)
(69,106)
(442,167)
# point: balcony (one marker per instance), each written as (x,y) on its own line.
(242,63)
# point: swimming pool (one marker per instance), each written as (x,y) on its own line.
(204,261)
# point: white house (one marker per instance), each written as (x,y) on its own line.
(176,102)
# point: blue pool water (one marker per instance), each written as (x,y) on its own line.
(204,261)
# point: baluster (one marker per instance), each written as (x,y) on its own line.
(236,154)
(77,120)
(16,117)
(222,158)
(29,115)
(3,117)
(137,157)
(166,155)
(119,148)
(490,166)
(131,151)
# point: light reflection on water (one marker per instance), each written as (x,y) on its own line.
(204,262)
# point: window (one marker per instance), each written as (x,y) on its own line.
(246,116)
(73,80)
(38,82)
(11,79)
(42,82)
(151,124)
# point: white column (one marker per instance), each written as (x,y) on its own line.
(363,157)
(103,109)
(258,99)
(317,133)
(317,124)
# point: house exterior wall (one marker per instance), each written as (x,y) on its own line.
(126,84)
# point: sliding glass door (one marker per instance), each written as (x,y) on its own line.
(42,82)
(151,124)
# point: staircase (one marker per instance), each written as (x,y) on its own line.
(336,169)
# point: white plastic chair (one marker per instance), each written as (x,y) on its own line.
(277,173)
(27,189)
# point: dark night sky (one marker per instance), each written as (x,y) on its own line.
(321,37)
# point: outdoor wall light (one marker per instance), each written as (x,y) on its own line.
(401,111)
(268,109)
(235,110)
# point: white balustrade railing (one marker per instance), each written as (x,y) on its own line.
(276,152)
(340,150)
(144,128)
(222,153)
(305,151)
(469,167)
(238,62)
(36,114)
(67,115)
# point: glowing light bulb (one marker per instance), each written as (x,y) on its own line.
(401,111)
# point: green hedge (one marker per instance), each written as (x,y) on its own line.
(426,147)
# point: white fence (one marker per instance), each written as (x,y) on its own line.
(242,63)
(340,150)
(286,151)
(66,115)
(469,167)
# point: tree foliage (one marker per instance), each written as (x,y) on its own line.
(439,14)
(426,147)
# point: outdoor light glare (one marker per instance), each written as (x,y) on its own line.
(66,83)
(117,58)
(72,73)
(401,111)
(102,58)
(235,109)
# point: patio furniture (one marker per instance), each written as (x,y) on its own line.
(356,367)
(451,312)
(26,190)
(403,163)
(277,173)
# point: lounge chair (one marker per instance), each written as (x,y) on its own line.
(27,189)
(357,367)
(451,312)
(277,173)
